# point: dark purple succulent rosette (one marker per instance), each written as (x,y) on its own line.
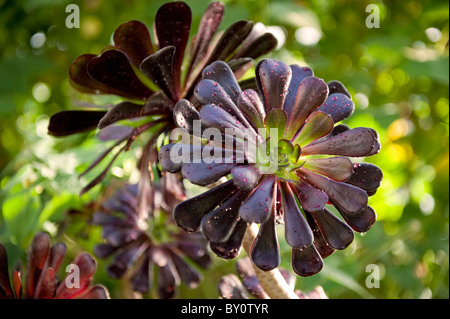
(301,167)
(153,75)
(136,250)
(41,282)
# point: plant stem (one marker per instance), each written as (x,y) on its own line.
(272,281)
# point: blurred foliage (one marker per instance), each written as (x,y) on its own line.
(398,75)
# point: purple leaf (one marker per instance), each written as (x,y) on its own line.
(172,26)
(17,281)
(230,287)
(115,132)
(189,213)
(5,285)
(310,198)
(240,66)
(357,142)
(57,254)
(336,233)
(317,125)
(244,267)
(254,288)
(259,46)
(360,222)
(265,252)
(245,177)
(338,87)
(232,247)
(212,93)
(133,39)
(194,248)
(159,68)
(81,80)
(220,72)
(311,94)
(297,232)
(366,176)
(95,292)
(103,219)
(273,78)
(337,168)
(87,267)
(168,280)
(218,225)
(187,274)
(113,69)
(298,74)
(249,103)
(104,250)
(166,161)
(320,243)
(339,106)
(126,258)
(205,173)
(40,249)
(258,206)
(70,122)
(185,114)
(142,278)
(230,40)
(120,236)
(209,24)
(348,197)
(338,129)
(216,117)
(46,286)
(115,272)
(122,111)
(306,262)
(158,103)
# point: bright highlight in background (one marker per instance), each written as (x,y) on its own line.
(308,36)
(41,92)
(37,40)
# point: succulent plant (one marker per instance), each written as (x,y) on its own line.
(41,282)
(138,248)
(285,159)
(151,76)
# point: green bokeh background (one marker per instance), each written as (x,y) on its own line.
(398,75)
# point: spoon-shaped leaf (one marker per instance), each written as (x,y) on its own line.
(317,125)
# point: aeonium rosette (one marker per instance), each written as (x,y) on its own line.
(40,280)
(151,73)
(137,249)
(282,160)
